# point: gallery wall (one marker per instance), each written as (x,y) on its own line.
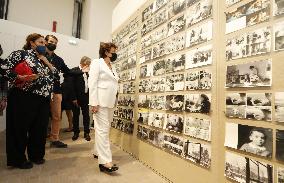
(201,89)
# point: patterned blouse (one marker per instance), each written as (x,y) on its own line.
(41,86)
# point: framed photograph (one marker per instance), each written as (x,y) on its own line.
(278,7)
(199,34)
(146,70)
(159,50)
(143,116)
(198,103)
(158,102)
(197,128)
(253,74)
(145,86)
(279,145)
(174,123)
(174,103)
(156,119)
(198,153)
(175,63)
(199,57)
(245,170)
(280,175)
(159,68)
(198,12)
(252,13)
(250,139)
(279,36)
(174,82)
(176,25)
(176,7)
(158,84)
(198,80)
(173,144)
(143,101)
(279,106)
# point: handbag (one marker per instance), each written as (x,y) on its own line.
(22,68)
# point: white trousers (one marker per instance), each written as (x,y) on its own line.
(102,121)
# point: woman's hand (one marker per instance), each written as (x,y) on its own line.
(46,62)
(27,78)
(94,109)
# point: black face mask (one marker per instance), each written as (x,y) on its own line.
(113,57)
(51,46)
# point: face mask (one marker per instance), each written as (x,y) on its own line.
(113,57)
(51,46)
(41,50)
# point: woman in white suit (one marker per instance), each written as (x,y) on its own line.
(103,87)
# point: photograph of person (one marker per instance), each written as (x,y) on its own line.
(176,25)
(146,41)
(159,33)
(280,175)
(279,36)
(128,127)
(143,101)
(159,50)
(246,170)
(158,84)
(280,145)
(145,86)
(173,144)
(198,12)
(158,4)
(174,82)
(146,55)
(174,102)
(199,34)
(176,7)
(174,123)
(197,127)
(158,139)
(278,7)
(159,68)
(160,17)
(259,99)
(143,116)
(176,43)
(259,113)
(156,119)
(199,57)
(147,26)
(175,63)
(252,74)
(236,111)
(205,79)
(147,12)
(157,102)
(198,153)
(198,103)
(192,80)
(279,106)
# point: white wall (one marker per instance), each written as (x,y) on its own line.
(123,11)
(41,13)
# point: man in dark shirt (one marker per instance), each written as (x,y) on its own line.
(55,104)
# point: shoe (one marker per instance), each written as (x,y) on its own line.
(106,169)
(38,162)
(75,136)
(24,165)
(87,136)
(58,144)
(95,156)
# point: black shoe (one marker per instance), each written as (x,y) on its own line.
(106,169)
(24,165)
(87,136)
(38,162)
(58,144)
(75,136)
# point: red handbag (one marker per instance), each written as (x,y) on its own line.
(22,69)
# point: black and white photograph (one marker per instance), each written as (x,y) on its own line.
(143,133)
(146,55)
(174,102)
(132,38)
(175,63)
(280,145)
(159,68)
(126,100)
(160,33)
(252,13)
(143,116)
(236,111)
(199,34)
(173,143)
(160,17)
(249,44)
(197,103)
(156,119)
(158,84)
(198,153)
(159,50)
(205,79)
(146,41)
(174,123)
(280,175)
(176,7)
(198,80)
(250,139)
(176,25)
(132,49)
(278,7)
(158,102)
(128,88)
(259,106)
(146,70)
(197,128)
(147,26)
(128,127)
(174,82)
(279,106)
(198,12)
(231,2)
(191,2)
(253,74)
(143,101)
(158,4)
(199,57)
(279,36)
(176,43)
(147,12)
(144,86)
(157,138)
(259,99)
(133,24)
(132,61)
(246,170)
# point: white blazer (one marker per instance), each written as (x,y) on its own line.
(103,84)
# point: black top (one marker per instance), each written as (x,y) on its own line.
(79,85)
(43,85)
(60,65)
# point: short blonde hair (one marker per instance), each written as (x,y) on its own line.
(85,60)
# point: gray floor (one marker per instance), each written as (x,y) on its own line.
(75,164)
